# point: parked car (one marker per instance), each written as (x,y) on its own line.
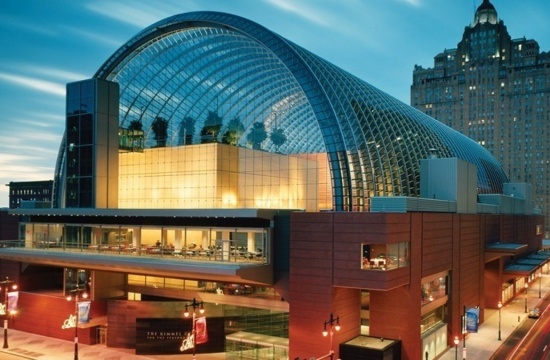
(534,313)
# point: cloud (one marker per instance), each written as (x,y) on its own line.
(135,13)
(12,22)
(310,13)
(59,74)
(411,2)
(35,84)
(100,39)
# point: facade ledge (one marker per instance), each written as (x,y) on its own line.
(260,274)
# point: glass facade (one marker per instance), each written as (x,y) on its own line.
(216,176)
(206,77)
(204,244)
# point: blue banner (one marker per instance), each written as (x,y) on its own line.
(472,319)
(84,312)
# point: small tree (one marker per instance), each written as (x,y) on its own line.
(235,130)
(186,131)
(135,125)
(160,130)
(277,137)
(211,128)
(257,135)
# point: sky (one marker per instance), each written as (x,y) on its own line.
(45,44)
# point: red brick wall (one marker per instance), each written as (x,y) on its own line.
(310,287)
(325,272)
(45,315)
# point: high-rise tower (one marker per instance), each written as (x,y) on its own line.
(496,90)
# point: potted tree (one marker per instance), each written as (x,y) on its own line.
(186,131)
(257,135)
(211,128)
(234,131)
(277,137)
(160,130)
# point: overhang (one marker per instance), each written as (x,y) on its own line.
(141,265)
(505,249)
(538,259)
(520,270)
(234,218)
(187,213)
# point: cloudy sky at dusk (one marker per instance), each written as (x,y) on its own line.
(46,44)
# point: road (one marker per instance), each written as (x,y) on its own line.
(531,340)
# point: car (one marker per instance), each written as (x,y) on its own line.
(534,313)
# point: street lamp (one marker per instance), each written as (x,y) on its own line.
(333,323)
(456,347)
(540,279)
(499,318)
(195,305)
(526,286)
(7,312)
(76,292)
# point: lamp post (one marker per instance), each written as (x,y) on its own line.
(334,324)
(526,286)
(76,293)
(195,305)
(456,347)
(464,331)
(540,279)
(499,318)
(5,285)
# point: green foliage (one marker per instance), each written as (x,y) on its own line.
(257,135)
(160,130)
(277,137)
(211,128)
(135,125)
(235,130)
(186,131)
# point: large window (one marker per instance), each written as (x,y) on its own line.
(434,288)
(384,256)
(432,319)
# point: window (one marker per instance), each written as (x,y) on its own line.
(434,288)
(384,256)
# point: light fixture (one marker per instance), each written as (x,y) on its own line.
(334,323)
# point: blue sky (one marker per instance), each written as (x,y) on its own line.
(45,44)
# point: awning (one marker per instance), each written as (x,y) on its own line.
(520,270)
(504,249)
(527,265)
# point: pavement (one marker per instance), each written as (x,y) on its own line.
(479,346)
(483,344)
(31,346)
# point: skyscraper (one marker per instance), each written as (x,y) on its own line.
(496,90)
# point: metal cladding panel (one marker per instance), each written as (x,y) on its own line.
(404,204)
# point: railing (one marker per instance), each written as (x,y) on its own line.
(229,253)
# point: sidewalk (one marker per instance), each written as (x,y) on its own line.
(481,345)
(31,346)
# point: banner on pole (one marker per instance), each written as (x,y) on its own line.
(84,312)
(472,319)
(202,333)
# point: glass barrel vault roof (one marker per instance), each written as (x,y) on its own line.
(189,66)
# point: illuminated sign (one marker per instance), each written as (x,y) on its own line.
(69,323)
(188,342)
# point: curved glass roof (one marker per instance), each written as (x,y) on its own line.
(216,71)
